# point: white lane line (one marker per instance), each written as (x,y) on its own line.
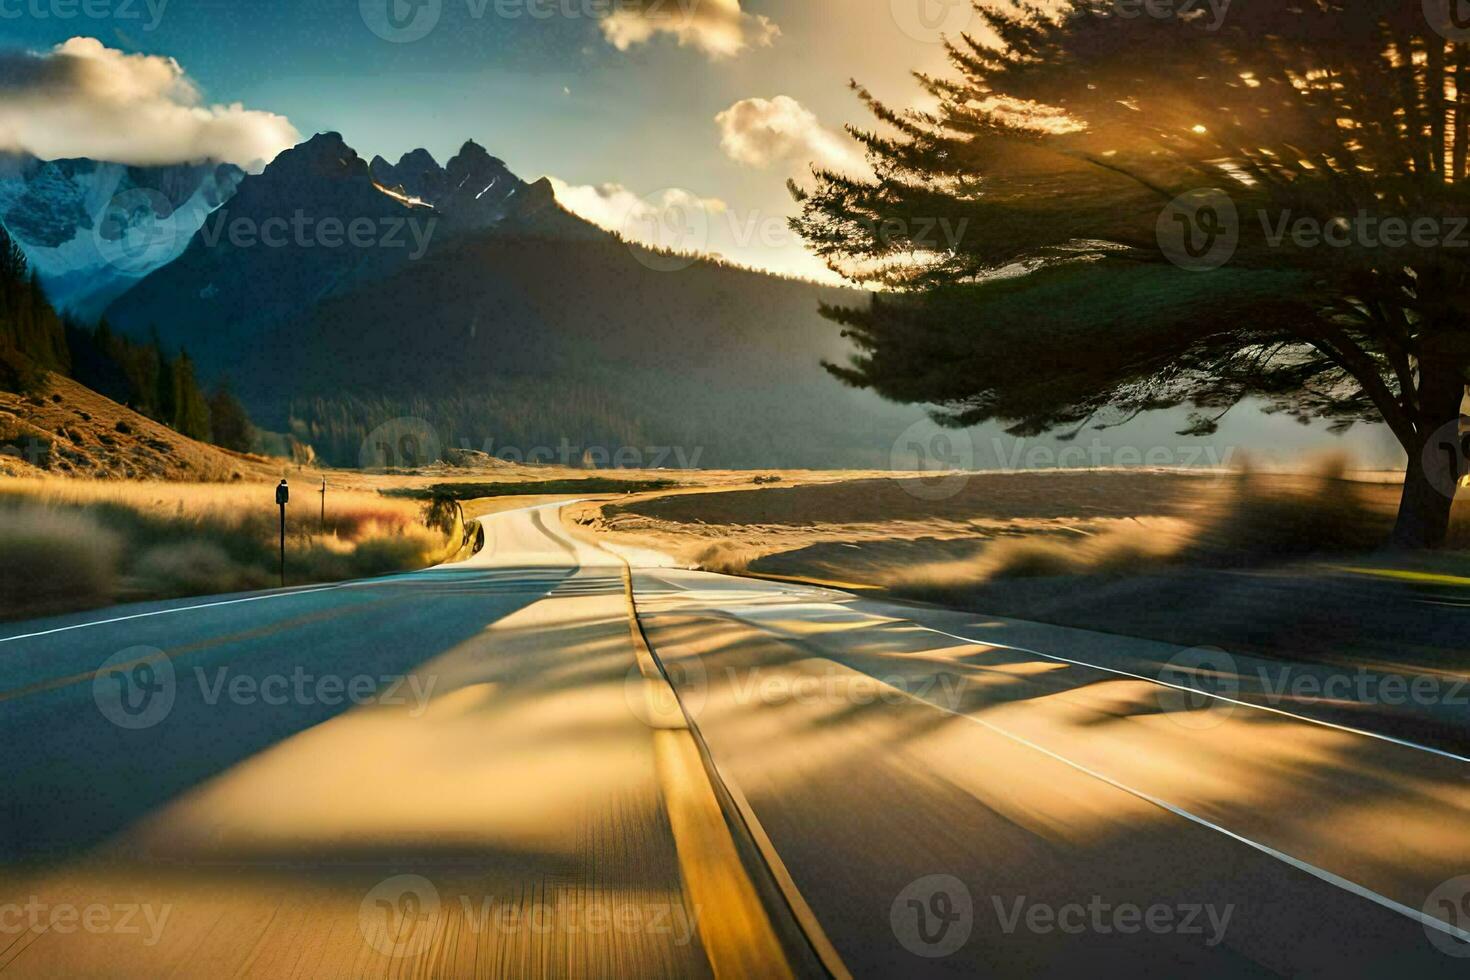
(1418,915)
(1190,690)
(167,612)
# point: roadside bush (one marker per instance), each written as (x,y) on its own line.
(54,560)
(1262,518)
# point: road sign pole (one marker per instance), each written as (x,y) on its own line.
(324,505)
(283,495)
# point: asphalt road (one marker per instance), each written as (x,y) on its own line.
(482,770)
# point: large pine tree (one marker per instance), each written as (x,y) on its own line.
(1115,184)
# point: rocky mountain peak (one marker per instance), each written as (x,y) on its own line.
(324,155)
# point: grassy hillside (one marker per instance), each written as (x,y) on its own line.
(66,429)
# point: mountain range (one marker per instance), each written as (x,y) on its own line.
(91,229)
(338,294)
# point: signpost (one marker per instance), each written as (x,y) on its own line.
(283,494)
(323,492)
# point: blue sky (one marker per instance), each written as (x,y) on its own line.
(590,92)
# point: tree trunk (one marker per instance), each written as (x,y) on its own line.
(1437,462)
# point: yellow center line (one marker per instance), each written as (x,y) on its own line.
(1427,578)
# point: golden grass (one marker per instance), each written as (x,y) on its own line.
(141,540)
(726,557)
(1018,525)
(1110,547)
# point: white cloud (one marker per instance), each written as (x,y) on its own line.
(82,99)
(764,132)
(681,221)
(650,219)
(719,28)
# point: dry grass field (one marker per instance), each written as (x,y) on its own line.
(72,544)
(1277,563)
(981,526)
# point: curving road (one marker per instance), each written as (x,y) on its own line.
(489,769)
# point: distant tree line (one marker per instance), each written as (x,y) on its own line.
(32,338)
(35,340)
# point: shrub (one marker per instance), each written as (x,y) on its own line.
(55,560)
